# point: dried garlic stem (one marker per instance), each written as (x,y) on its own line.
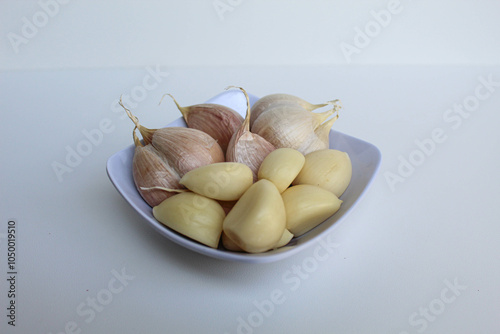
(147,134)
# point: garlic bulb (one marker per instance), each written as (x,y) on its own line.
(269,101)
(167,155)
(217,120)
(186,148)
(150,168)
(288,124)
(247,147)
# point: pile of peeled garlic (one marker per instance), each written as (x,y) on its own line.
(243,184)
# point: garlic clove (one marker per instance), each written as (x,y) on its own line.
(247,147)
(229,244)
(257,221)
(285,239)
(150,168)
(186,148)
(281,167)
(192,215)
(225,181)
(269,101)
(307,206)
(219,121)
(329,169)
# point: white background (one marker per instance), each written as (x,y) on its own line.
(396,254)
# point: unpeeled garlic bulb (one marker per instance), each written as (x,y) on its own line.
(329,169)
(186,148)
(219,121)
(192,215)
(288,124)
(270,101)
(150,168)
(166,155)
(247,147)
(307,206)
(257,221)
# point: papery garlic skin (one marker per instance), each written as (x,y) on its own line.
(281,167)
(186,148)
(257,221)
(329,169)
(224,181)
(192,215)
(307,206)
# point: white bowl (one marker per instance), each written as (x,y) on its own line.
(365,159)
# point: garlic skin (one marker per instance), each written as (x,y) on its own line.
(219,121)
(186,148)
(247,147)
(257,221)
(281,167)
(307,206)
(329,169)
(224,181)
(267,102)
(192,215)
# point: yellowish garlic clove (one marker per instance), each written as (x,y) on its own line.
(270,101)
(225,181)
(192,215)
(329,169)
(307,206)
(232,246)
(150,168)
(285,239)
(257,221)
(229,244)
(219,121)
(247,147)
(186,148)
(281,167)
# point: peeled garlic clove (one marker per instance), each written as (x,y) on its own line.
(307,206)
(281,167)
(269,101)
(230,244)
(285,239)
(186,148)
(247,147)
(329,169)
(225,181)
(192,215)
(219,121)
(257,221)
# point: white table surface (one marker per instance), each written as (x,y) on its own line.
(421,256)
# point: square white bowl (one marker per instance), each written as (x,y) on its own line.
(365,159)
